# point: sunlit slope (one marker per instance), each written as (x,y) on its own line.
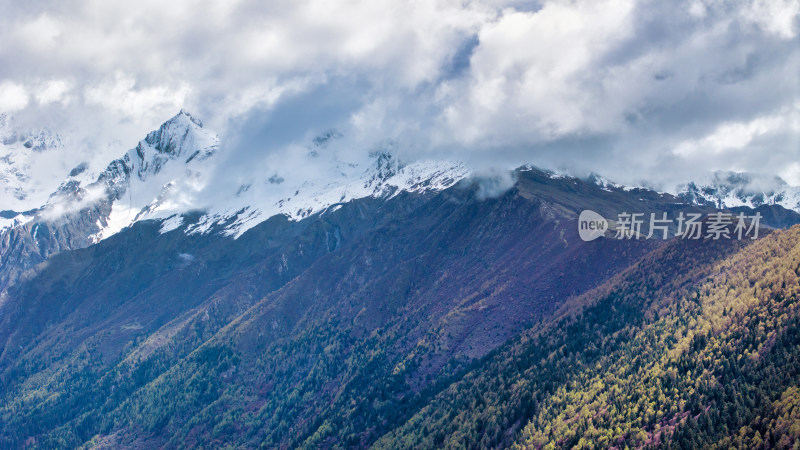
(696,346)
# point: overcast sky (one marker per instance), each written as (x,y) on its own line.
(635,90)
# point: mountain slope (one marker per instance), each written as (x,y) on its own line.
(694,346)
(384,305)
(170,172)
(402,292)
(377,322)
(83,211)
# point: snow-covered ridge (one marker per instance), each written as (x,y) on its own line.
(172,171)
(141,183)
(334,179)
(725,190)
(24,152)
(384,178)
(175,169)
(732,189)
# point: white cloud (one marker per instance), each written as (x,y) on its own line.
(620,87)
(538,74)
(735,136)
(53,91)
(40,33)
(791,174)
(123,96)
(13,97)
(61,205)
(774,16)
(697,9)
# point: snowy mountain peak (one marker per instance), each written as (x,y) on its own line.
(384,166)
(171,171)
(138,185)
(168,163)
(177,134)
(725,189)
(181,137)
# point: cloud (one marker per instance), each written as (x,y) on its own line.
(735,136)
(791,174)
(492,183)
(62,204)
(633,89)
(124,98)
(532,74)
(53,91)
(13,97)
(774,16)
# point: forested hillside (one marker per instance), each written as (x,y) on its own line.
(697,346)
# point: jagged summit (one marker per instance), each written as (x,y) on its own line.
(170,172)
(184,113)
(337,181)
(180,134)
(726,189)
(181,137)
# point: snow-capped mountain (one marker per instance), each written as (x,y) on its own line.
(130,183)
(176,169)
(172,171)
(159,177)
(724,189)
(86,208)
(23,153)
(384,176)
(144,181)
(732,189)
(165,191)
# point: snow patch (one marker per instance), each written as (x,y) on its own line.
(171,223)
(16,221)
(121,217)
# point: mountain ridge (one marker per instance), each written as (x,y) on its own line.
(355,324)
(166,173)
(353,327)
(183,136)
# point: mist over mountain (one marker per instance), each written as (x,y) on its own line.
(179,168)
